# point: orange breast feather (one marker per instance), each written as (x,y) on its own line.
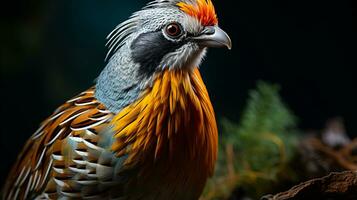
(170,130)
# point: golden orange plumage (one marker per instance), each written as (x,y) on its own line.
(173,122)
(203,10)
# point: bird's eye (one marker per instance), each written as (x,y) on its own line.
(173,30)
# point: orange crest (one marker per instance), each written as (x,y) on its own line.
(203,10)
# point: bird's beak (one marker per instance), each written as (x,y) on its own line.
(213,36)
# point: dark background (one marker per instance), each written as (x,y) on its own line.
(52,50)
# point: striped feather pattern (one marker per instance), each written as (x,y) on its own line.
(58,152)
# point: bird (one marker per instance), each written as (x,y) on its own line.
(146,129)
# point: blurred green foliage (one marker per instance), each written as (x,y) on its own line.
(254,155)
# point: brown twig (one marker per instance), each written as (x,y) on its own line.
(338,156)
(347,150)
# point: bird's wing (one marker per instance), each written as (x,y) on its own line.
(43,163)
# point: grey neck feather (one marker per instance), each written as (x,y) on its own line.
(119,85)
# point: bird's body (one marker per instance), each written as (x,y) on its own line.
(147,130)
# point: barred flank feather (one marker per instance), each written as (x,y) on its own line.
(45,163)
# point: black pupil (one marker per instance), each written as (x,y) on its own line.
(173,30)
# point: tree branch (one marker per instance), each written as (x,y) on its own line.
(334,186)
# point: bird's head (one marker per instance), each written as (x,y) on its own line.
(166,35)
(169,34)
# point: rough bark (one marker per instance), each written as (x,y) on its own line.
(341,185)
